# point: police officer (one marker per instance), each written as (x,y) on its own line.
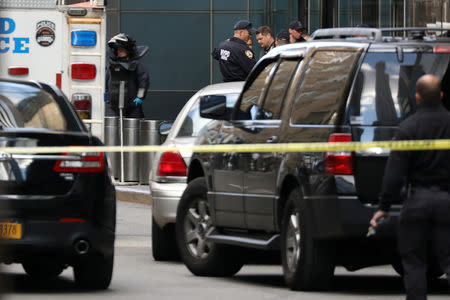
(282,38)
(235,58)
(296,32)
(124,64)
(424,218)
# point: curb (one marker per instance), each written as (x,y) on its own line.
(135,194)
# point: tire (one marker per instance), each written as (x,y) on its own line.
(164,246)
(43,268)
(308,264)
(94,272)
(202,257)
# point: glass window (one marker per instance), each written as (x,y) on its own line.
(278,87)
(252,96)
(384,90)
(193,123)
(425,13)
(29,107)
(349,12)
(325,80)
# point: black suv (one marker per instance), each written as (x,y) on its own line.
(56,210)
(345,84)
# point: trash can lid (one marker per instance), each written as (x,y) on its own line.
(111,121)
(131,123)
(149,125)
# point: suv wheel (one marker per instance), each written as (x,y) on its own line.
(42,268)
(307,264)
(94,272)
(202,257)
(164,246)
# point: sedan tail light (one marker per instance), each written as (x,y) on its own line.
(90,162)
(339,162)
(171,164)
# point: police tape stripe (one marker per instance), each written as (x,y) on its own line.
(286,147)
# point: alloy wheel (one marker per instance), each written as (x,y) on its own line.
(197,224)
(293,241)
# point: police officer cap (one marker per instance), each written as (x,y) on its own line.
(283,35)
(244,24)
(296,25)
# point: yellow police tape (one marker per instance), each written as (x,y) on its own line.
(282,147)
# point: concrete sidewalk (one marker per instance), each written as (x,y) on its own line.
(133,193)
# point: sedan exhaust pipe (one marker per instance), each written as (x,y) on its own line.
(81,247)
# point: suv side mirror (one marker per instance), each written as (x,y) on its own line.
(214,107)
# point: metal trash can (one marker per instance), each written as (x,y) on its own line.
(148,135)
(131,159)
(112,138)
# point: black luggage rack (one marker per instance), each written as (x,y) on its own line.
(380,34)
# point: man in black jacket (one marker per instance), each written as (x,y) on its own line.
(124,64)
(424,220)
(265,39)
(235,58)
(296,32)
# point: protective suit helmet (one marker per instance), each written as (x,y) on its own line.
(122,40)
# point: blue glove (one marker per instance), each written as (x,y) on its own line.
(137,101)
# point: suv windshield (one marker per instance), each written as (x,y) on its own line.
(384,89)
(24,106)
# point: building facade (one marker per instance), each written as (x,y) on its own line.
(375,13)
(181,34)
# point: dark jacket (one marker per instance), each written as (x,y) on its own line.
(300,40)
(418,168)
(135,76)
(265,51)
(235,58)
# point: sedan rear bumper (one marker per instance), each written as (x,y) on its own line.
(165,198)
(59,240)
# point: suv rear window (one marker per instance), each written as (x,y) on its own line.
(318,98)
(24,106)
(384,89)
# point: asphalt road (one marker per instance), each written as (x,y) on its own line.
(137,276)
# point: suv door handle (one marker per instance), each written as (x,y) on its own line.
(272,139)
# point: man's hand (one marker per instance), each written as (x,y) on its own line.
(137,101)
(376,216)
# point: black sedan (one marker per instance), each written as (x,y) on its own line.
(56,210)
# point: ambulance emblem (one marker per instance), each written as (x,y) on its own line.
(45,33)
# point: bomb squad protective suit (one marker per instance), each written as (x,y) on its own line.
(130,69)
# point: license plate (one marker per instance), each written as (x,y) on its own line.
(10,230)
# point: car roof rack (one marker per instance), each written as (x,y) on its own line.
(414,32)
(346,32)
(373,34)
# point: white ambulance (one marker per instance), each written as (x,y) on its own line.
(58,42)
